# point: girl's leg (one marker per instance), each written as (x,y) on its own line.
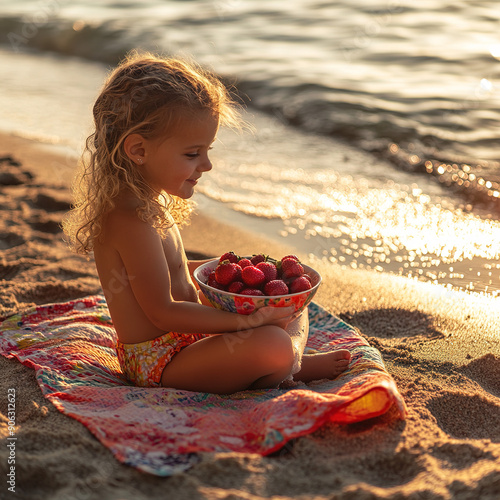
(231,362)
(299,331)
(314,366)
(323,365)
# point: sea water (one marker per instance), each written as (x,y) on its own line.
(378,148)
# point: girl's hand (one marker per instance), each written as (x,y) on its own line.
(278,316)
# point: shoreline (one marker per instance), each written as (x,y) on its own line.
(395,264)
(357,238)
(441,346)
(341,244)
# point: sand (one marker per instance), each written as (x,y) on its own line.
(442,347)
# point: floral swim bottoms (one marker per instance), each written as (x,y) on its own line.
(143,363)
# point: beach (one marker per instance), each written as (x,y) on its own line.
(442,346)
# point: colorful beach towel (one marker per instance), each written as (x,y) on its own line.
(71,347)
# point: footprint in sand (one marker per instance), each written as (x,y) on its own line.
(42,293)
(460,455)
(52,202)
(464,416)
(11,240)
(10,173)
(397,324)
(62,274)
(9,271)
(393,468)
(46,224)
(486,372)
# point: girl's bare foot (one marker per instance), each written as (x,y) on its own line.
(323,365)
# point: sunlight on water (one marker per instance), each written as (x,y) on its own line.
(495,51)
(386,227)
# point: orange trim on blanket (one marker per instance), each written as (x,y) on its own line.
(375,402)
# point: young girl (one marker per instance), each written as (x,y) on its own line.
(155,122)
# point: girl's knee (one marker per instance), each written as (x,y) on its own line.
(278,345)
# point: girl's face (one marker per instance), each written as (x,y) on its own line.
(175,163)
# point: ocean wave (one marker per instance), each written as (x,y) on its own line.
(106,41)
(418,129)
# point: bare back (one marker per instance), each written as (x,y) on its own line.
(131,322)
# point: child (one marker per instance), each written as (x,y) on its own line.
(155,122)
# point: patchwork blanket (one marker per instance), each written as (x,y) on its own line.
(71,348)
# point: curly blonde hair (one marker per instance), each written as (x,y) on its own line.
(148,95)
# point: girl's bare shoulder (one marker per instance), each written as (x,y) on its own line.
(122,224)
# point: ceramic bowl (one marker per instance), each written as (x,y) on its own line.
(246,304)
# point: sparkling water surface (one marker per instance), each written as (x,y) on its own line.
(400,90)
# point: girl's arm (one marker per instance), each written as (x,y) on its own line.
(193,264)
(142,253)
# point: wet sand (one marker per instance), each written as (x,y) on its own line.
(441,346)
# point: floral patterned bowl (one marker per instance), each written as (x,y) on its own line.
(246,304)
